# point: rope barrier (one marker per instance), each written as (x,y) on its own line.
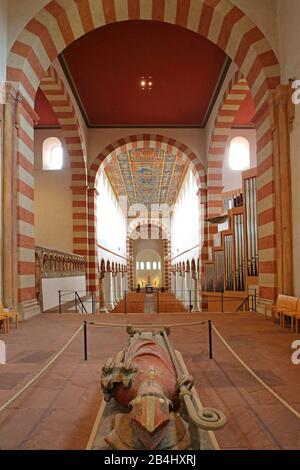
(278,397)
(12,399)
(125,325)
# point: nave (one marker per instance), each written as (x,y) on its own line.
(59,410)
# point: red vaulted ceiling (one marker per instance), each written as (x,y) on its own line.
(44,110)
(105,67)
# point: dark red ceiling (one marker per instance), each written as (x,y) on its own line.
(246,112)
(106,64)
(44,110)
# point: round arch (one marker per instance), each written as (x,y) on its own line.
(54,27)
(167,249)
(126,144)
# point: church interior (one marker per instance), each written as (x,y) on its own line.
(149,199)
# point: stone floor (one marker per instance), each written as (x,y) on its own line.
(58,411)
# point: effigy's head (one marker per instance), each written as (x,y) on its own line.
(150,415)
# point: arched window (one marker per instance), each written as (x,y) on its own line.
(154,265)
(52,154)
(137,265)
(239,154)
(142,265)
(148,265)
(159,265)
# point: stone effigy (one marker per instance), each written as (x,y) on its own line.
(147,380)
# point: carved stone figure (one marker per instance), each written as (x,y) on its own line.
(145,378)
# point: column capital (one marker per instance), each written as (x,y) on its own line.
(281,99)
(21,101)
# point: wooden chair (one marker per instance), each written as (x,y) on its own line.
(281,304)
(11,315)
(297,321)
(4,323)
(293,307)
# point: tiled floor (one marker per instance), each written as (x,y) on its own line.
(58,411)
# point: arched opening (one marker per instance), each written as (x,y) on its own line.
(150,276)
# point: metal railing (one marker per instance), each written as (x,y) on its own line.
(156,301)
(80,301)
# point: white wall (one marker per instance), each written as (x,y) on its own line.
(185,228)
(232,179)
(3,38)
(51,286)
(111,224)
(53,199)
(98,139)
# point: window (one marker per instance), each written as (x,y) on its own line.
(159,265)
(142,265)
(154,265)
(148,264)
(52,154)
(137,265)
(239,154)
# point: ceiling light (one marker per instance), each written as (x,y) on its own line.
(146,83)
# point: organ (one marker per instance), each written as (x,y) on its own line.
(233,265)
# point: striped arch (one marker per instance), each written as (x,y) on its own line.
(234,96)
(147,141)
(121,146)
(167,249)
(57,95)
(235,93)
(61,22)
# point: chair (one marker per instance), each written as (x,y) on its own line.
(4,323)
(10,315)
(297,321)
(293,307)
(278,307)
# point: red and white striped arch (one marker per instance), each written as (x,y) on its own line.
(60,100)
(234,96)
(168,144)
(165,235)
(61,22)
(235,93)
(124,145)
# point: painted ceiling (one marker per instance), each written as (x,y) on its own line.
(105,66)
(147,176)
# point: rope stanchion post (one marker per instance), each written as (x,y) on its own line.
(210,340)
(85,346)
(190,296)
(59,301)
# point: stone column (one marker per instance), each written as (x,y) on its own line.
(195,295)
(109,289)
(187,288)
(102,293)
(115,291)
(93,264)
(282,116)
(8,223)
